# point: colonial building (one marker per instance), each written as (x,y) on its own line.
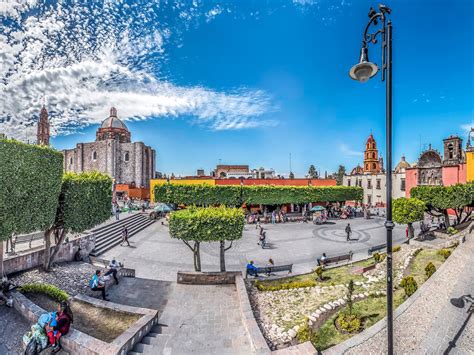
(436,169)
(113,153)
(42,134)
(242,172)
(372,178)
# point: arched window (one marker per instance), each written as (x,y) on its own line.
(374,166)
(94,155)
(70,161)
(367,166)
(373,155)
(127,156)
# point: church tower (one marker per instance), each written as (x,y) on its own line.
(42,136)
(372,163)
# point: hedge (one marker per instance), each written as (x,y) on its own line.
(84,202)
(50,290)
(30,178)
(201,195)
(207,224)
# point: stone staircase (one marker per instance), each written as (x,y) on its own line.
(109,236)
(154,342)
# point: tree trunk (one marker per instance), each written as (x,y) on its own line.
(1,259)
(47,248)
(411,230)
(446,219)
(222,242)
(197,256)
(59,241)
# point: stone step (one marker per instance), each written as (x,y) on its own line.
(157,345)
(119,222)
(117,226)
(160,329)
(117,233)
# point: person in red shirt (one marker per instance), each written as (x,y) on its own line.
(64,318)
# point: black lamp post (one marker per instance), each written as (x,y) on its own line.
(362,72)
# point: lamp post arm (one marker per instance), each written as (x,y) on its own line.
(372,36)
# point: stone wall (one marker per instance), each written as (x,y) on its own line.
(34,258)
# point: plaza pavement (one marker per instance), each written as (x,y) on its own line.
(155,255)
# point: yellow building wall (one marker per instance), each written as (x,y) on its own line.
(155,182)
(470,166)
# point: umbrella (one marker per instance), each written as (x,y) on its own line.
(317,209)
(163,207)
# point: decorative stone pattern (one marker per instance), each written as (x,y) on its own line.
(207,278)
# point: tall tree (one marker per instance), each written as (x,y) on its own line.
(341,171)
(292,176)
(312,172)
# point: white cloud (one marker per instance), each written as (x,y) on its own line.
(468,126)
(348,151)
(86,58)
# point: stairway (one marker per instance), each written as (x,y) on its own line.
(109,236)
(154,342)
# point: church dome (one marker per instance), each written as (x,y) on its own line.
(402,165)
(113,121)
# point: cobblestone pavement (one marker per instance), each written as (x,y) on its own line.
(432,324)
(155,255)
(12,328)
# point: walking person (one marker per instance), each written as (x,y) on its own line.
(273,217)
(116,211)
(125,236)
(348,231)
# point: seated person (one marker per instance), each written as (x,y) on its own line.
(252,269)
(97,285)
(322,260)
(58,327)
(270,265)
(113,269)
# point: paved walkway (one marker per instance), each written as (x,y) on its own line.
(432,324)
(156,256)
(12,328)
(198,319)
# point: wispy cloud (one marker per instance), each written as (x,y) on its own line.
(468,126)
(348,151)
(88,57)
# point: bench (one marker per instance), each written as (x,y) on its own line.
(336,259)
(376,248)
(271,269)
(104,263)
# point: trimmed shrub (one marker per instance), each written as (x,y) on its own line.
(209,195)
(319,271)
(445,253)
(349,322)
(409,285)
(452,231)
(396,248)
(50,290)
(284,286)
(377,258)
(30,178)
(430,269)
(304,333)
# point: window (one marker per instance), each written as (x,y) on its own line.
(360,183)
(402,187)
(374,166)
(127,156)
(349,182)
(70,161)
(373,155)
(94,156)
(367,166)
(378,184)
(369,184)
(369,200)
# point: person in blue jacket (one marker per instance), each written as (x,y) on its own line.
(252,269)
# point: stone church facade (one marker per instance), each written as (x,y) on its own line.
(113,153)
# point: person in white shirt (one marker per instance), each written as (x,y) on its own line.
(113,269)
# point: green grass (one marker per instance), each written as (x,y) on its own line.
(417,267)
(333,276)
(371,310)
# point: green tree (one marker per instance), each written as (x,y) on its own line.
(312,172)
(30,183)
(84,202)
(292,176)
(408,211)
(341,171)
(195,225)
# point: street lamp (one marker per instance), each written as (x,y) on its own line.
(362,72)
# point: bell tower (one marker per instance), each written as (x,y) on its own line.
(42,135)
(372,162)
(453,153)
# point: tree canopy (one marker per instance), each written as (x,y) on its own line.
(30,178)
(408,210)
(312,172)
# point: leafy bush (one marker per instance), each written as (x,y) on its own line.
(409,285)
(416,252)
(377,258)
(452,230)
(349,322)
(408,210)
(50,290)
(350,291)
(284,286)
(207,224)
(210,195)
(304,333)
(445,253)
(30,178)
(396,248)
(430,269)
(319,271)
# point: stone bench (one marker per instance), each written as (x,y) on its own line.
(336,259)
(272,269)
(376,248)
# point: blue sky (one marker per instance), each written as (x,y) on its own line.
(247,82)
